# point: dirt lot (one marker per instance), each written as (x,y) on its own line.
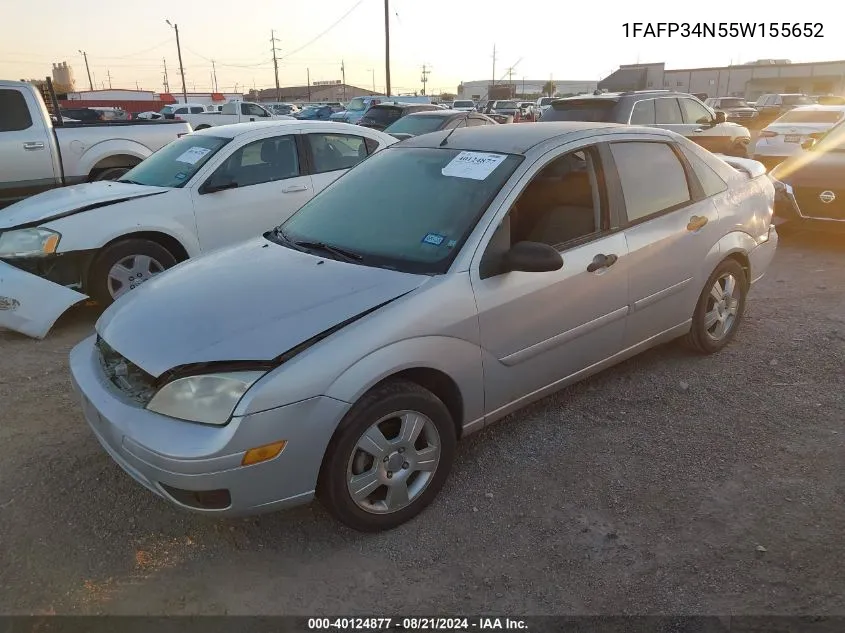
(670,484)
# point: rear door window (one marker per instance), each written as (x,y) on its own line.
(667,111)
(694,112)
(643,113)
(652,178)
(14,115)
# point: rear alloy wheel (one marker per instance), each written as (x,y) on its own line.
(124,266)
(720,308)
(389,458)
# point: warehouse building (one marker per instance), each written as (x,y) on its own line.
(478,90)
(745,80)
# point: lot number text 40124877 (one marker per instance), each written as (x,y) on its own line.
(724,29)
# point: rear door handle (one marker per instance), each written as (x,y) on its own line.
(33,146)
(294,189)
(602,261)
(696,222)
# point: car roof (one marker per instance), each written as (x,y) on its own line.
(443,112)
(283,126)
(508,138)
(819,108)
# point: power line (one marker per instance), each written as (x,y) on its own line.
(334,24)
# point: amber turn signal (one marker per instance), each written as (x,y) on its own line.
(263,453)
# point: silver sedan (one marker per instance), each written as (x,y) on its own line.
(435,288)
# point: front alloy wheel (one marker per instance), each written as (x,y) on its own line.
(388,458)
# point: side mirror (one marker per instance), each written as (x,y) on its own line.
(721,117)
(220,185)
(532,257)
(809,144)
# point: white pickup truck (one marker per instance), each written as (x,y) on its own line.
(231,113)
(36,154)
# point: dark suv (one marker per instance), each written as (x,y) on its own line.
(380,116)
(676,111)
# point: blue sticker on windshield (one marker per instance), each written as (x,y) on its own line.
(434,239)
(181,176)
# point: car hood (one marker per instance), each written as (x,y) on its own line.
(65,201)
(250,302)
(823,170)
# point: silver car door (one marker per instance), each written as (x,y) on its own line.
(670,226)
(537,329)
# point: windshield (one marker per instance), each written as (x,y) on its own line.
(418,124)
(796,100)
(546,101)
(383,115)
(422,215)
(593,110)
(167,110)
(733,103)
(176,163)
(463,104)
(811,116)
(357,105)
(506,105)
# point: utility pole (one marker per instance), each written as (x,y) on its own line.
(494,65)
(108,74)
(424,78)
(273,41)
(308,71)
(373,71)
(510,76)
(551,85)
(523,87)
(343,78)
(137,87)
(181,67)
(166,82)
(387,48)
(214,75)
(87,69)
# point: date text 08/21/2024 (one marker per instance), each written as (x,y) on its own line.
(724,29)
(416,624)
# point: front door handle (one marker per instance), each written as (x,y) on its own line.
(601,261)
(294,189)
(696,222)
(33,146)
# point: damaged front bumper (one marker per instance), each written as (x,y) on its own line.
(30,304)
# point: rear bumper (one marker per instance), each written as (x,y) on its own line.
(788,210)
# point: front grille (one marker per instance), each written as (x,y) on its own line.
(742,115)
(812,207)
(126,377)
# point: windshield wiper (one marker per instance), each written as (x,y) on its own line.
(130,182)
(307,246)
(342,253)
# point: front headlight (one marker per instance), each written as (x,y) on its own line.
(35,242)
(209,399)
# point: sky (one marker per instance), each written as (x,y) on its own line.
(128,41)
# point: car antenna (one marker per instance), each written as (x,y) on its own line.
(443,142)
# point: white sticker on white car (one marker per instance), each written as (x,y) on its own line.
(473,165)
(193,155)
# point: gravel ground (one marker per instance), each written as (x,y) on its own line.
(672,483)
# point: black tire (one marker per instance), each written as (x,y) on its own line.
(699,338)
(110,173)
(97,283)
(392,397)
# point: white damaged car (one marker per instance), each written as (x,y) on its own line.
(207,190)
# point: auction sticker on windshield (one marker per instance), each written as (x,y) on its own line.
(193,155)
(474,165)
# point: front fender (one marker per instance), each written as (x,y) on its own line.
(457,358)
(92,155)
